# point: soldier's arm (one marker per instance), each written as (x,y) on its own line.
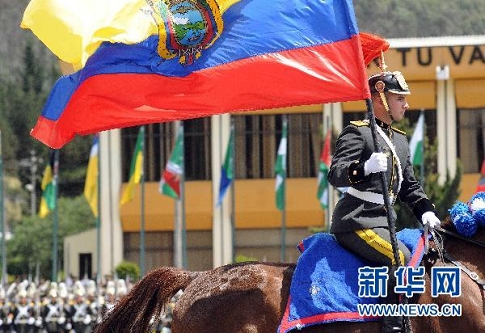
(347,166)
(412,193)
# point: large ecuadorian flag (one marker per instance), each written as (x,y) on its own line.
(147,61)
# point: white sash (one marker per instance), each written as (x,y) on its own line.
(393,150)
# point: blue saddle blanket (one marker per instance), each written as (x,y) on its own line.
(324,286)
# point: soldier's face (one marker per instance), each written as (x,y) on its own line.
(397,105)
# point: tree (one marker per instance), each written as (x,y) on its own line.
(31,243)
(33,75)
(426,18)
(127,269)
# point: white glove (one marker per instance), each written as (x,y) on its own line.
(377,162)
(431,219)
(87,320)
(31,321)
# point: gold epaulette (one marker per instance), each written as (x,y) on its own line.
(398,130)
(359,123)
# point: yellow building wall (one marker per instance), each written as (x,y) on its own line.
(254,202)
(468,185)
(255,205)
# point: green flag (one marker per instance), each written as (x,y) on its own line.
(325,160)
(227,172)
(136,168)
(174,170)
(416,142)
(48,200)
(280,168)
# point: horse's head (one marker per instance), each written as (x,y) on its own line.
(452,247)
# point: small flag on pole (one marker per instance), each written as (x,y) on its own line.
(48,200)
(91,183)
(325,160)
(280,168)
(416,142)
(174,170)
(136,168)
(227,172)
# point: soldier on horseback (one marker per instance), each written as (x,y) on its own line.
(360,219)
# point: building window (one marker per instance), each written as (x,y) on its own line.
(159,143)
(471,139)
(256,143)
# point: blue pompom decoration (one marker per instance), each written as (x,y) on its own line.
(479,217)
(462,218)
(458,209)
(477,207)
(465,225)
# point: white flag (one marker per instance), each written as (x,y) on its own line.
(416,143)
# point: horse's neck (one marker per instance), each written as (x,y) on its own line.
(467,252)
(471,299)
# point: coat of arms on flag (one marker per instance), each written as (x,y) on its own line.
(186,27)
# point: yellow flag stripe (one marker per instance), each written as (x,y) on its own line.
(73,30)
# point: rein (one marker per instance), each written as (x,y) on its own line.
(473,275)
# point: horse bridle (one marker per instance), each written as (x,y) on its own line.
(445,255)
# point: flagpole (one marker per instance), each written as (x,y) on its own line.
(98,217)
(387,202)
(327,215)
(142,206)
(182,204)
(283,212)
(233,192)
(421,167)
(55,216)
(179,232)
(2,218)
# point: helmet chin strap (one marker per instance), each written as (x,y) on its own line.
(380,85)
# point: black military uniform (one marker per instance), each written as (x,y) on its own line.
(80,315)
(362,207)
(53,315)
(359,221)
(23,316)
(354,146)
(6,316)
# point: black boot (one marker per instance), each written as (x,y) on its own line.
(392,324)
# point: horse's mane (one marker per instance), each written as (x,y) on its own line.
(447,224)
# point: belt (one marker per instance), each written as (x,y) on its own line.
(376,198)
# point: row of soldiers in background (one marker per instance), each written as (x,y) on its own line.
(51,307)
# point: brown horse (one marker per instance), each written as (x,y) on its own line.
(251,297)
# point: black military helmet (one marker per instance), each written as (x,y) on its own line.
(393,82)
